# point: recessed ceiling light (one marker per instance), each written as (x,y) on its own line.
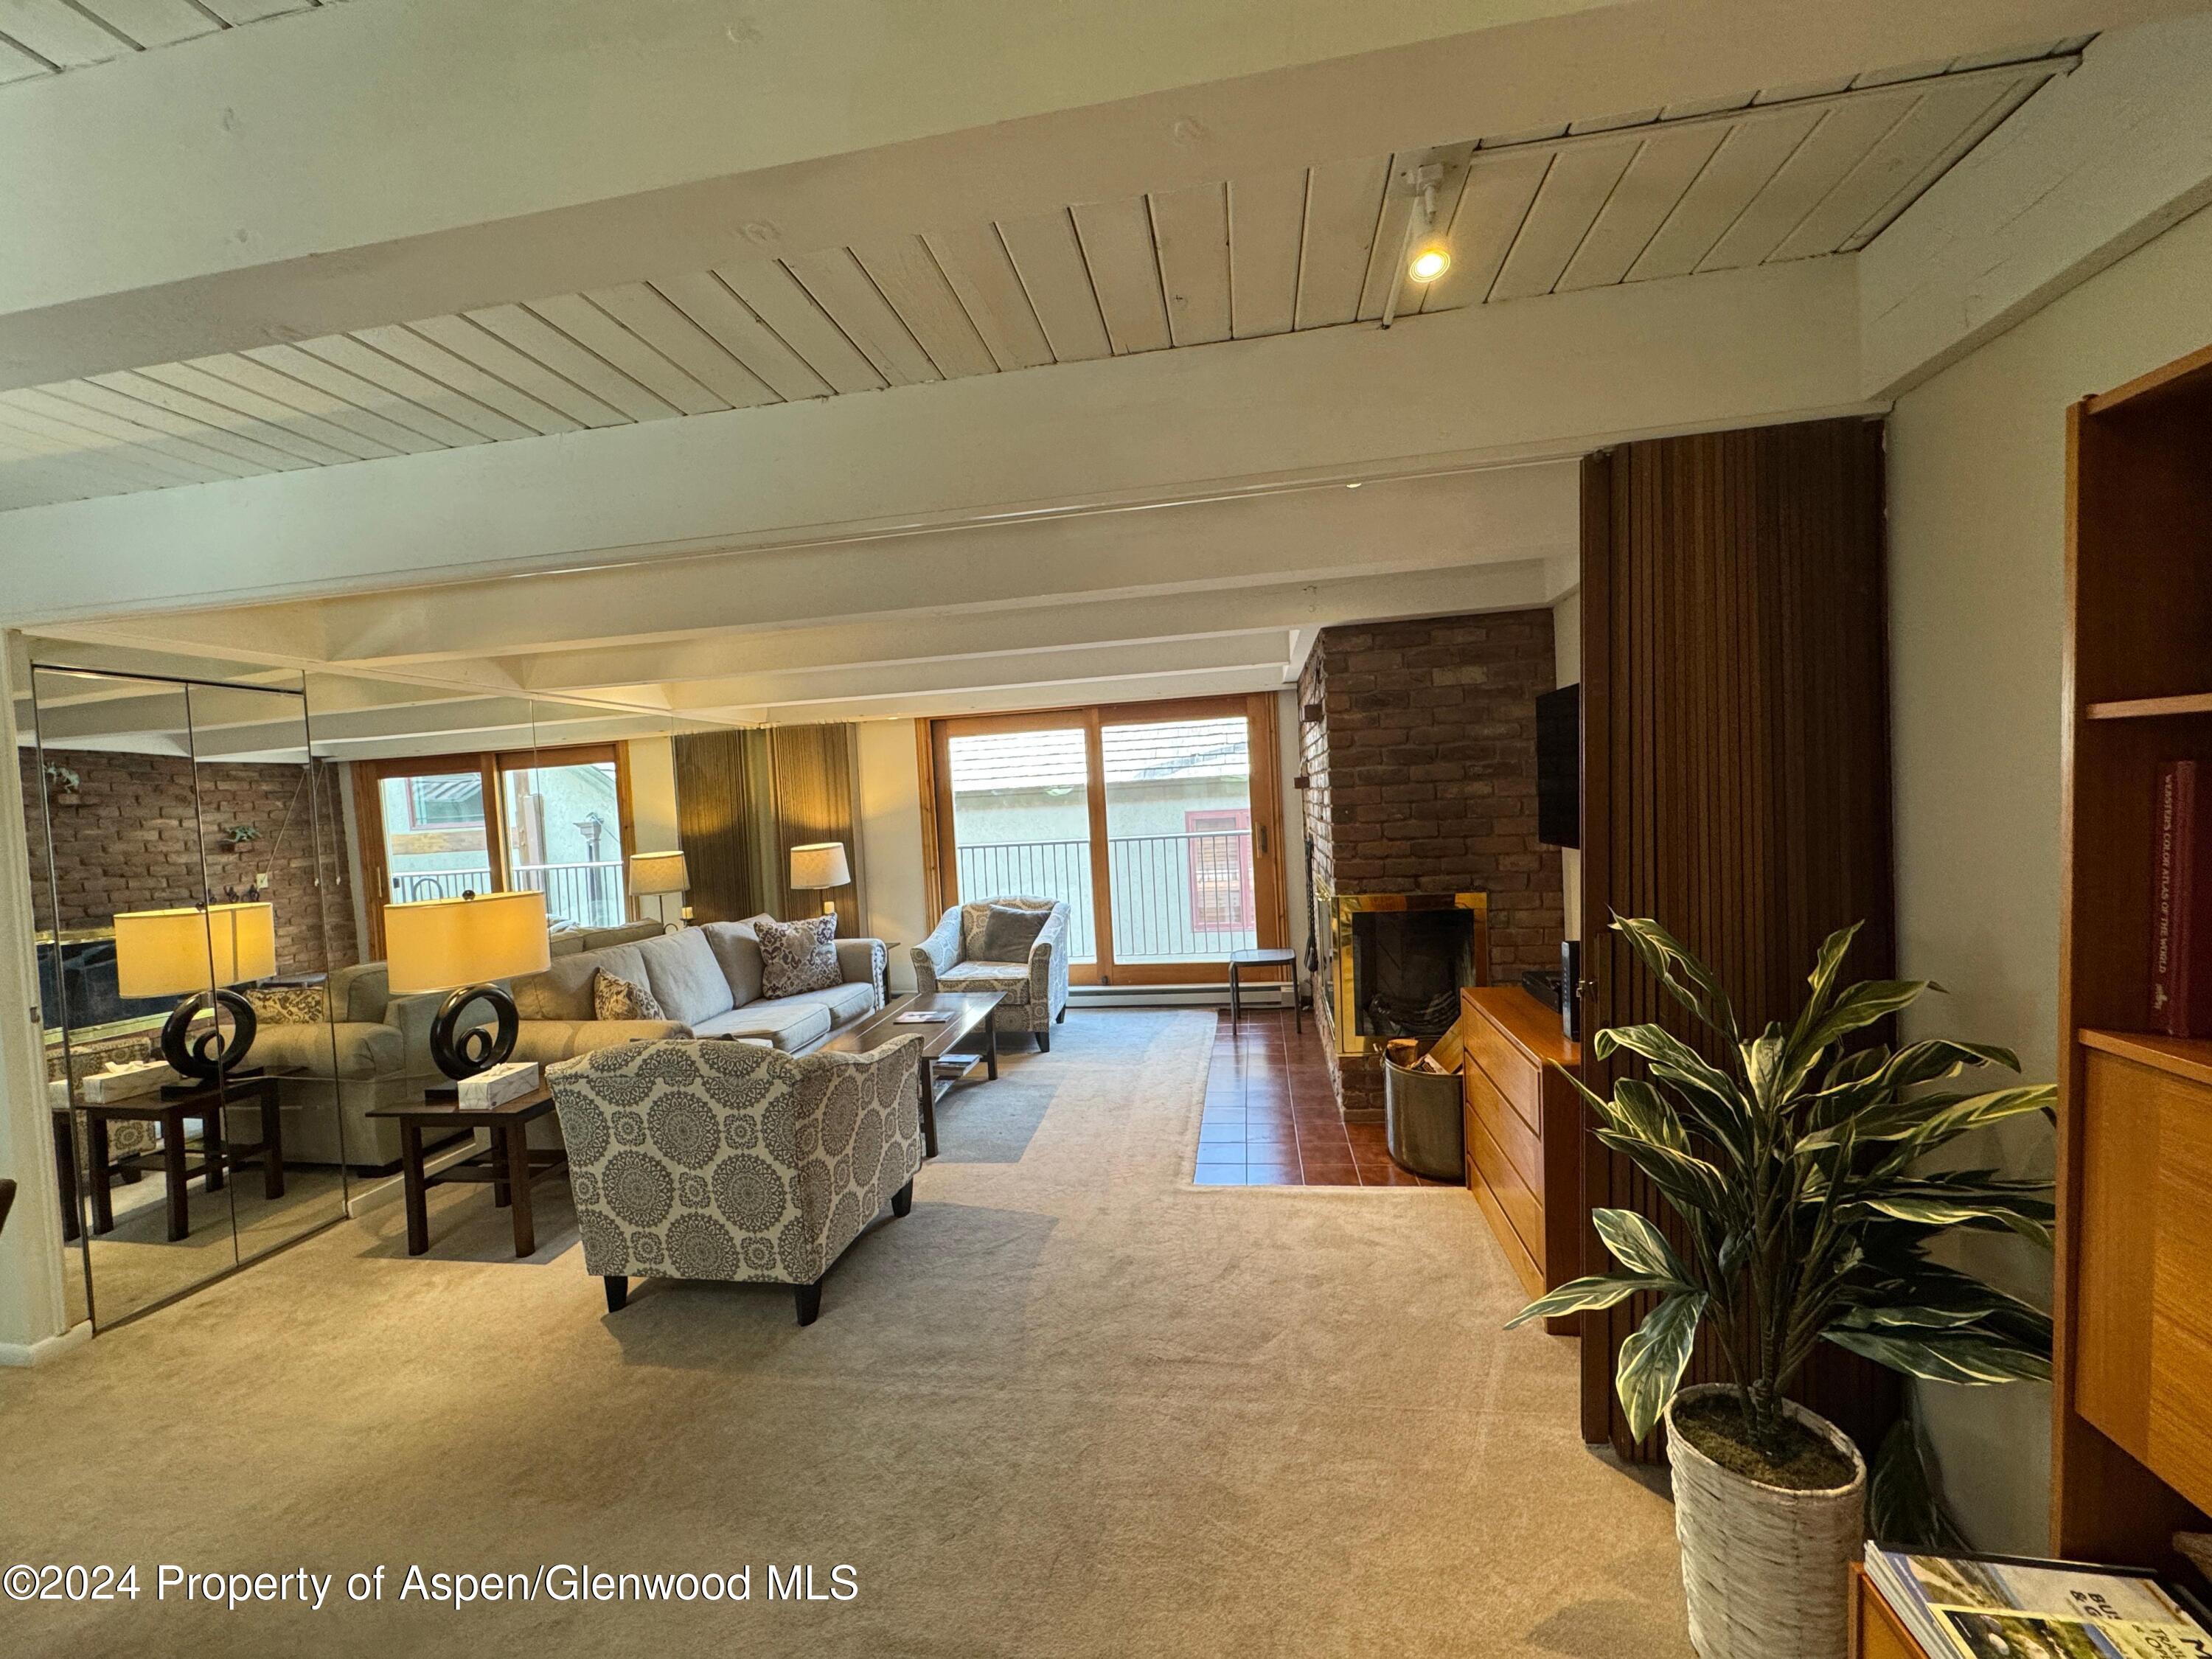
(1430,263)
(1353,486)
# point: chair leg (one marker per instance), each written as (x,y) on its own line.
(902,1199)
(1044,1041)
(617,1292)
(1061,1018)
(809,1300)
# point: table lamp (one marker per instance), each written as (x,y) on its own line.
(198,952)
(818,866)
(659,873)
(459,946)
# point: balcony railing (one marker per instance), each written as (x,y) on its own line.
(586,894)
(1176,897)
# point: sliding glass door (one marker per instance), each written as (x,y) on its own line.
(1157,823)
(554,819)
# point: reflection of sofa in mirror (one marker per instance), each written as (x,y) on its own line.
(706,981)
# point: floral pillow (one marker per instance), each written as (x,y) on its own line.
(289,1004)
(798,956)
(616,997)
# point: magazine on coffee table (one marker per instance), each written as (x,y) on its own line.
(923,1016)
(1980,1607)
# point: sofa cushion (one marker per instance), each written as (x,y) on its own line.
(361,991)
(737,952)
(975,917)
(364,1049)
(846,1001)
(789,1023)
(1010,930)
(1009,979)
(687,980)
(563,991)
(798,956)
(630,932)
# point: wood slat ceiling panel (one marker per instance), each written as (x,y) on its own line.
(1779,174)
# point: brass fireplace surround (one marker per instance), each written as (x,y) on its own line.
(1336,968)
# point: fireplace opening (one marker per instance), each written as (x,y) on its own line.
(1407,969)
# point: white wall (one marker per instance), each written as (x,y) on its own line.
(653,795)
(891,841)
(1977,513)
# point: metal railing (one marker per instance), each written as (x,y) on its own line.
(587,895)
(1174,898)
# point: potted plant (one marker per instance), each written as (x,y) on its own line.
(1795,1164)
(68,788)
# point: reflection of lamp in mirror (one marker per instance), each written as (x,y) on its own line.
(459,946)
(661,874)
(819,865)
(197,953)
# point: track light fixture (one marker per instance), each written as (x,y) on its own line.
(1426,255)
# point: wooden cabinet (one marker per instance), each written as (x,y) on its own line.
(2132,1430)
(1875,1632)
(1524,1133)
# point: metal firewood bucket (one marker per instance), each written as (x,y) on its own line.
(1421,1121)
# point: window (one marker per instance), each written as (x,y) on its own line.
(1219,858)
(435,802)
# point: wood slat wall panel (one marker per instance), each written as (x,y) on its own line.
(465,340)
(1125,273)
(1492,205)
(1267,224)
(403,381)
(975,262)
(778,300)
(1735,765)
(1927,129)
(717,784)
(1049,261)
(337,381)
(645,312)
(815,770)
(532,335)
(1191,229)
(1575,191)
(329,437)
(1665,167)
(703,298)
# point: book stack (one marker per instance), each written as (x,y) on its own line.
(1984,1606)
(498,1085)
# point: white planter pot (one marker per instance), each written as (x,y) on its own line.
(1767,1570)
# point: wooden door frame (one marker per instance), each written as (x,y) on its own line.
(1271,906)
(488,763)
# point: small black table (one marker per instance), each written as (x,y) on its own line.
(1264,956)
(510,1165)
(170,1108)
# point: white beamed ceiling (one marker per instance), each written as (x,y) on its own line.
(42,37)
(1782,173)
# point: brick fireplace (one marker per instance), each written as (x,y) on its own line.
(1417,745)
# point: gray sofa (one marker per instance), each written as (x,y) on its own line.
(1036,990)
(707,980)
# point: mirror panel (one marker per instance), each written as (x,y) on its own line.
(118,790)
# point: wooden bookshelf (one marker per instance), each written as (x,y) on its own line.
(2131,1406)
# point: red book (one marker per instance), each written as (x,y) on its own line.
(2181,911)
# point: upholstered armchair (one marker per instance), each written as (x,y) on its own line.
(731,1160)
(1036,990)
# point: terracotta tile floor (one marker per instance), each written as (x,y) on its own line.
(1271,1119)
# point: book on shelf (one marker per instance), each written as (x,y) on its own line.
(2181,905)
(1993,1606)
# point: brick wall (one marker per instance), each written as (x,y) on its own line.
(1421,778)
(128,845)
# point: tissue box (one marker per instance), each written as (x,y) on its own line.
(126,1082)
(498,1085)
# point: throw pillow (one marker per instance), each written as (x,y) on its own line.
(1010,930)
(798,956)
(289,1004)
(616,997)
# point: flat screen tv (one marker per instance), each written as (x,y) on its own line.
(1559,767)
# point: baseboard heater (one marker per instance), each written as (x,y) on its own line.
(1175,996)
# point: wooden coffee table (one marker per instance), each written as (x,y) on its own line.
(943,1061)
(510,1166)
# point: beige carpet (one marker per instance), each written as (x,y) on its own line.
(1072,1405)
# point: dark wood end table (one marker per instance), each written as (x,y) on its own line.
(170,1108)
(942,1062)
(510,1165)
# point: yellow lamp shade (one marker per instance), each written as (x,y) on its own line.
(820,864)
(659,872)
(161,953)
(440,944)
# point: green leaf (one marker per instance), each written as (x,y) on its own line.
(1826,967)
(1671,965)
(1639,1247)
(1903,1511)
(1860,1007)
(1924,1123)
(1940,1208)
(1971,1356)
(1715,1100)
(1602,1290)
(1652,1359)
(1694,1187)
(1640,1109)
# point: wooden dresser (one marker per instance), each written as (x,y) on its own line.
(1524,1133)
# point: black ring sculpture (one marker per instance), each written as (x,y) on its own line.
(211,1054)
(477,1049)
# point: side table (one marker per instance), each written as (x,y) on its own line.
(510,1165)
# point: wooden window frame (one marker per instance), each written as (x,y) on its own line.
(941,864)
(490,765)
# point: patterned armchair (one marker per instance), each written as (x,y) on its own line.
(727,1160)
(1036,991)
